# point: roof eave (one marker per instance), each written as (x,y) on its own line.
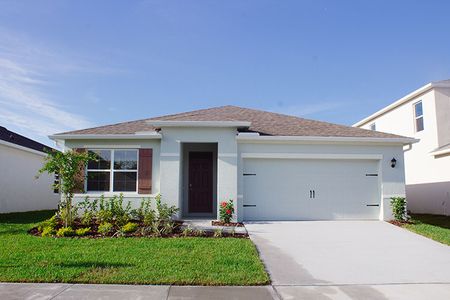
(132,136)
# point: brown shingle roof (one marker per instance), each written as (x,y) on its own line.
(266,123)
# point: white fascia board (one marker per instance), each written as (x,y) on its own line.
(157,123)
(15,146)
(324,139)
(311,156)
(397,103)
(440,152)
(133,136)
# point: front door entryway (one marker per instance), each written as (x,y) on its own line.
(200,184)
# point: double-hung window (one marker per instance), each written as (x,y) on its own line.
(418,116)
(113,171)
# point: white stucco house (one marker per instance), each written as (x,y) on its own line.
(425,115)
(20,160)
(273,166)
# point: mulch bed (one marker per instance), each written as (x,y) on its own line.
(231,224)
(139,233)
(399,223)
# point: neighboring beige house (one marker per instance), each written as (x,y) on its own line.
(20,160)
(273,166)
(423,114)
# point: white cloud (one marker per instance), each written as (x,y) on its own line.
(27,71)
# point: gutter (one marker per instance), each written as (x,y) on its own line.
(132,136)
(253,138)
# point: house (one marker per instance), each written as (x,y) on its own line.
(20,160)
(273,166)
(425,115)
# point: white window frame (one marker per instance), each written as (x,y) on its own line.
(418,117)
(111,171)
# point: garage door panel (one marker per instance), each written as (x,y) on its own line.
(280,189)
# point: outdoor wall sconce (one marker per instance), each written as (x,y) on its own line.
(393,162)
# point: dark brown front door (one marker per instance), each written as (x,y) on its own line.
(200,182)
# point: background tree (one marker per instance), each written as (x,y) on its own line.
(68,165)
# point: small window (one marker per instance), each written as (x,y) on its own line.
(373,127)
(418,116)
(113,171)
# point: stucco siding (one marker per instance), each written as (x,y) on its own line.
(19,189)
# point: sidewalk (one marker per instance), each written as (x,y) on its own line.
(41,291)
(61,291)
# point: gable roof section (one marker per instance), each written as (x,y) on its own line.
(17,139)
(262,122)
(405,99)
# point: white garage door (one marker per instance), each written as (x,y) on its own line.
(310,189)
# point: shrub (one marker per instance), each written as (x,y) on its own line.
(82,231)
(187,231)
(144,213)
(89,210)
(112,210)
(164,211)
(398,205)
(226,211)
(105,228)
(48,231)
(218,233)
(65,231)
(49,223)
(129,227)
(199,232)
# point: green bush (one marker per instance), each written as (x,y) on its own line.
(398,205)
(112,210)
(82,231)
(48,231)
(144,213)
(65,231)
(89,208)
(49,223)
(105,228)
(129,227)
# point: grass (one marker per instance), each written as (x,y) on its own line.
(193,261)
(435,227)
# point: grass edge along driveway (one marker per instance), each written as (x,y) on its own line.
(181,261)
(436,227)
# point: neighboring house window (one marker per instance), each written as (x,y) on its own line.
(418,116)
(373,127)
(114,171)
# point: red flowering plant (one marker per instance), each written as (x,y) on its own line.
(226,211)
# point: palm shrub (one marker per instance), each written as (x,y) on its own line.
(398,205)
(67,165)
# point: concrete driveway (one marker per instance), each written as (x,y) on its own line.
(370,259)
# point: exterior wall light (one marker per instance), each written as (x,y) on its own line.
(393,162)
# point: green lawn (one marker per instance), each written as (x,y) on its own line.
(194,261)
(433,226)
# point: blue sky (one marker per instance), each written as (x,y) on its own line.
(68,65)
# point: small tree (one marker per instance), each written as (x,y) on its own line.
(67,165)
